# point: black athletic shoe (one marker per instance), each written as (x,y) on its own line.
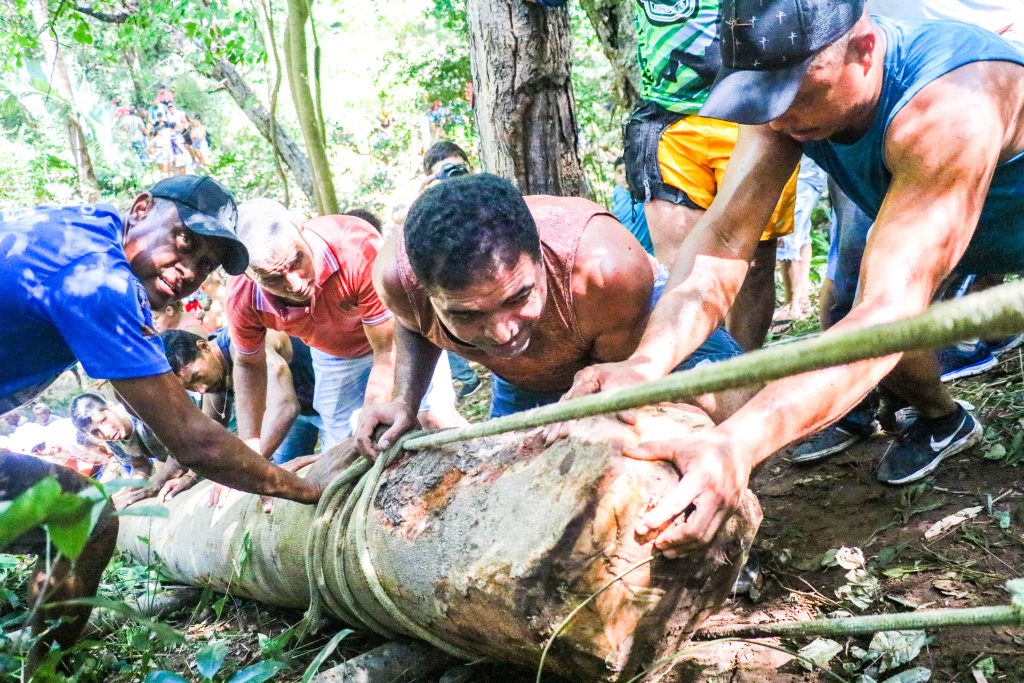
(856,426)
(917,452)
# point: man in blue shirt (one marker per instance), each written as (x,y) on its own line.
(922,125)
(629,211)
(77,283)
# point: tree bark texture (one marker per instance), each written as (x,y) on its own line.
(484,547)
(525,109)
(616,30)
(60,82)
(297,62)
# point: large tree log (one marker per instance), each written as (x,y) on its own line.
(481,548)
(525,109)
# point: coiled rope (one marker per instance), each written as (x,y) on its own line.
(340,522)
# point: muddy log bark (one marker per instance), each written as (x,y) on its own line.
(616,30)
(60,82)
(524,105)
(484,546)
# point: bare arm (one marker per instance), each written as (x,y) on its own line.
(250,380)
(381,384)
(282,404)
(200,444)
(922,230)
(713,260)
(415,359)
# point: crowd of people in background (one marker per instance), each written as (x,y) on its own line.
(160,134)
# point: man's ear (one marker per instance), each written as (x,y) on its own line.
(141,207)
(203,345)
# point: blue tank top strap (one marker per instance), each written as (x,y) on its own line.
(916,54)
(223,339)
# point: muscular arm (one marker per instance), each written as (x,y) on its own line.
(712,262)
(922,230)
(200,444)
(381,383)
(612,281)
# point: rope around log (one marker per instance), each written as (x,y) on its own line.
(994,312)
(349,499)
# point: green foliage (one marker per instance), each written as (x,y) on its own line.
(210,659)
(68,518)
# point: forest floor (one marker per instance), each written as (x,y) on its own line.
(810,512)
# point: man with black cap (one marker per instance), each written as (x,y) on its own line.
(922,125)
(77,283)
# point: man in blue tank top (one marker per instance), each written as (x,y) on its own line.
(922,125)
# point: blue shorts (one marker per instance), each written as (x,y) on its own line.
(507,398)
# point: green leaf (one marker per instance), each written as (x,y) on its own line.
(28,510)
(987,667)
(324,653)
(82,33)
(162,631)
(164,677)
(996,452)
(210,659)
(257,673)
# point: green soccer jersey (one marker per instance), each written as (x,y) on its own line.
(678,50)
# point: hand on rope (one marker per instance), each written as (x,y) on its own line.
(592,380)
(397,417)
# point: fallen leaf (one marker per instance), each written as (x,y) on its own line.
(851,558)
(818,653)
(918,674)
(951,589)
(896,648)
(955,519)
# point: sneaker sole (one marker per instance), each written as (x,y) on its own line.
(469,393)
(820,455)
(1010,346)
(963,444)
(971,370)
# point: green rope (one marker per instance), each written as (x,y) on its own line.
(994,312)
(344,509)
(1003,615)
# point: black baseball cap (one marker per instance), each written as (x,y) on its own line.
(767,46)
(207,208)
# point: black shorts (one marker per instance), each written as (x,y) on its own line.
(18,473)
(641,137)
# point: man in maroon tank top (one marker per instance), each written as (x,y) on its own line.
(532,288)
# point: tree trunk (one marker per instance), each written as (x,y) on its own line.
(247,100)
(480,548)
(131,60)
(60,82)
(525,109)
(297,62)
(616,30)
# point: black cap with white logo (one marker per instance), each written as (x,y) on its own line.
(767,46)
(207,208)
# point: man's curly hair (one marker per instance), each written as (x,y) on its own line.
(460,230)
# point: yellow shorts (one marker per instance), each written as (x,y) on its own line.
(692,155)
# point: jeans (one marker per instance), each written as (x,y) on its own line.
(461,372)
(300,440)
(341,387)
